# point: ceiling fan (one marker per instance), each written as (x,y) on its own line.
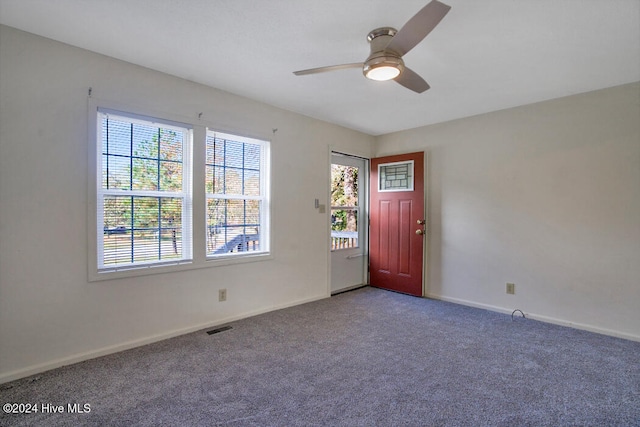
(388,46)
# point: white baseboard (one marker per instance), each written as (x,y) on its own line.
(69,360)
(542,318)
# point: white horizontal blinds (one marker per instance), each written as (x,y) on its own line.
(144,194)
(235,195)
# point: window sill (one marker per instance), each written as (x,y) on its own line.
(149,270)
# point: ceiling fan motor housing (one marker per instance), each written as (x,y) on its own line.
(380,56)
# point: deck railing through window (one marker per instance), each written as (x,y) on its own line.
(344,240)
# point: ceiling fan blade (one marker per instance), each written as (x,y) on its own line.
(329,68)
(413,81)
(418,27)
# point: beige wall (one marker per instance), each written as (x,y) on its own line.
(546,196)
(49,313)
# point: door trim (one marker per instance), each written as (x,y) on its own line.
(364,217)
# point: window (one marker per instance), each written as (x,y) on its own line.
(395,176)
(237,206)
(144,195)
(169,194)
(344,206)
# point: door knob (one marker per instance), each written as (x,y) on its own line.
(419,232)
(421,222)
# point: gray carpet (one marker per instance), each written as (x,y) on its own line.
(362,358)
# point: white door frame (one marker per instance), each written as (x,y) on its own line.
(363,225)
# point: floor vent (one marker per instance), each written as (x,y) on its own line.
(218,330)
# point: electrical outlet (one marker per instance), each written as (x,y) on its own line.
(222,295)
(511,288)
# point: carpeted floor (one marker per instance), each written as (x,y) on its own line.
(362,358)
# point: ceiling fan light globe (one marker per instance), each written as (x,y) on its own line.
(383,68)
(383,73)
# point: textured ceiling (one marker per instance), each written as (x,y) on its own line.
(484,56)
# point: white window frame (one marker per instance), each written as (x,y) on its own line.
(263,198)
(346,160)
(185,195)
(195,173)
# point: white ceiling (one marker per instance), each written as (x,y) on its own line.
(484,55)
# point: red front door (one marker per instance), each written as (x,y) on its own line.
(396,235)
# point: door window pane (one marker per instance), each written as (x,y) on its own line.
(395,176)
(344,207)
